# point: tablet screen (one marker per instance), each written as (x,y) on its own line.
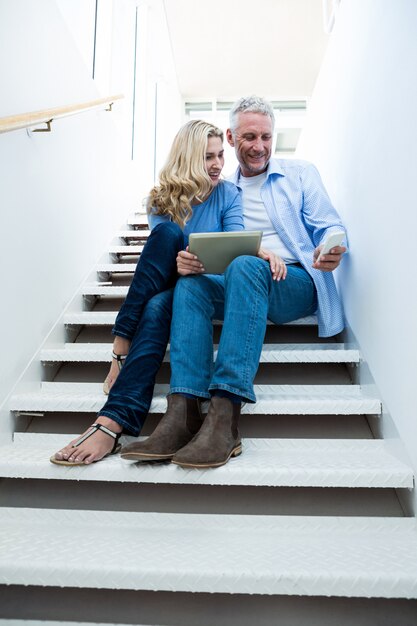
(217,250)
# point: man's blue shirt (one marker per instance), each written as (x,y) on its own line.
(302,214)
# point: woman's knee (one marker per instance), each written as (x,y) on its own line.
(169,232)
(158,309)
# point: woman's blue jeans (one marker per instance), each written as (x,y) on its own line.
(145,319)
(245,296)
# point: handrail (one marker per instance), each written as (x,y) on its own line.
(47,116)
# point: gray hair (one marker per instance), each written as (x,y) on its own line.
(250,104)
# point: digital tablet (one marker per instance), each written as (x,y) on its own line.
(217,250)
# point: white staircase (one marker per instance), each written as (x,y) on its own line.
(307,512)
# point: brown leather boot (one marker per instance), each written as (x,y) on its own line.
(217,440)
(177,427)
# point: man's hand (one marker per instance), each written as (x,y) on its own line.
(328,262)
(188,263)
(277,265)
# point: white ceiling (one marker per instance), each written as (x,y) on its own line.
(229,48)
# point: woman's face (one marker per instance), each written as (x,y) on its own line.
(214,159)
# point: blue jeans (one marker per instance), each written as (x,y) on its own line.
(145,319)
(245,296)
(156,271)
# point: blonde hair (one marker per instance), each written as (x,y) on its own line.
(184,176)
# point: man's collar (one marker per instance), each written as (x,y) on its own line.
(273,168)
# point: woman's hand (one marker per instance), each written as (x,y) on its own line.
(277,265)
(188,263)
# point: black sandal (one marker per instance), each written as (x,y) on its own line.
(93,429)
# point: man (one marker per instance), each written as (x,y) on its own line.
(287,201)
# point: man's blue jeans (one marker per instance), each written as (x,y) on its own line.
(245,296)
(145,319)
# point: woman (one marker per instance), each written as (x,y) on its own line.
(190,197)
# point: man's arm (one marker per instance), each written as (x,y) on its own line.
(320,216)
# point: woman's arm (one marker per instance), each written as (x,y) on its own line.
(154,220)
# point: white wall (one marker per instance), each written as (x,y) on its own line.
(63,194)
(361,133)
(161,79)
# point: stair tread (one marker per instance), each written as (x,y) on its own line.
(271,399)
(316,556)
(103,289)
(114,268)
(358,463)
(94,318)
(271,353)
(36,622)
(142,233)
(137,219)
(126,249)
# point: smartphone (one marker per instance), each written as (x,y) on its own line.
(331,241)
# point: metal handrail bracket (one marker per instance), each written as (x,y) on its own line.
(47,116)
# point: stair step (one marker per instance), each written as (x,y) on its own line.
(114,268)
(36,622)
(359,463)
(103,289)
(249,554)
(271,353)
(133,234)
(98,289)
(124,250)
(91,318)
(138,219)
(101,318)
(271,399)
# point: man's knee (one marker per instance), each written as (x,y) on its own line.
(248,266)
(188,287)
(194,293)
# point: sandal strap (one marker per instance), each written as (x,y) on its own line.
(120,358)
(93,429)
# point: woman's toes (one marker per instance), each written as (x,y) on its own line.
(74,459)
(79,456)
(91,450)
(62,455)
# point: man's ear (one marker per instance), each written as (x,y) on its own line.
(229,137)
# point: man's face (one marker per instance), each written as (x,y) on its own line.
(252,141)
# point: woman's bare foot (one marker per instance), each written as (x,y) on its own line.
(120,347)
(93,449)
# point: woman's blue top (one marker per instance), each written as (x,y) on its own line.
(221,211)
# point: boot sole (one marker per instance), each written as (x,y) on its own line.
(235,452)
(136,456)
